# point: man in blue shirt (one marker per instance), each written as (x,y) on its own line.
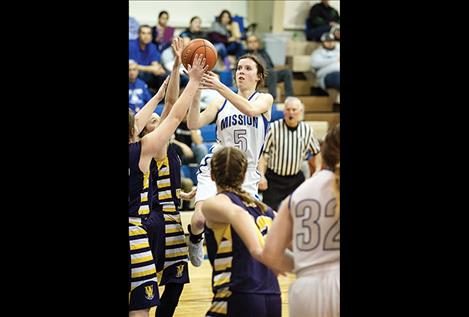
(138,90)
(145,54)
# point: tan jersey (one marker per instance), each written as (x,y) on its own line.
(316,228)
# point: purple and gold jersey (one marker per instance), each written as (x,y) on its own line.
(235,271)
(139,202)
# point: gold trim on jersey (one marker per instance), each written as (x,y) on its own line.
(223,293)
(139,244)
(170,241)
(163,183)
(219,307)
(222,264)
(165,194)
(144,210)
(143,271)
(172,218)
(146,180)
(136,231)
(141,257)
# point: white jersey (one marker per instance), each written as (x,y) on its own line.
(233,128)
(316,227)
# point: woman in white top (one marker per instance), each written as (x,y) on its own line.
(242,120)
(309,221)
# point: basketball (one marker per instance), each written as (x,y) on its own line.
(201,47)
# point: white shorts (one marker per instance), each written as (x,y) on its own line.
(316,294)
(207,188)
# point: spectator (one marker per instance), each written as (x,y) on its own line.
(145,54)
(138,90)
(286,145)
(226,36)
(322,18)
(194,31)
(273,76)
(325,60)
(133,28)
(162,33)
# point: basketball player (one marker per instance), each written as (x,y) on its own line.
(242,121)
(165,232)
(235,225)
(309,219)
(143,291)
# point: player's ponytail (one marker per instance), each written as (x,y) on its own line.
(330,153)
(228,168)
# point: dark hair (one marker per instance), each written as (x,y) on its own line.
(131,125)
(228,168)
(229,15)
(261,68)
(331,147)
(163,12)
(143,26)
(193,18)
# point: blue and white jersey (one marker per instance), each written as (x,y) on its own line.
(234,128)
(239,130)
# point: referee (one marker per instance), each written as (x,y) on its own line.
(285,149)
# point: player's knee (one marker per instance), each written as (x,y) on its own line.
(199,221)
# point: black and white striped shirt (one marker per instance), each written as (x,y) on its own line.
(287,147)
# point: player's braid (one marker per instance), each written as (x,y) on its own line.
(229,169)
(246,197)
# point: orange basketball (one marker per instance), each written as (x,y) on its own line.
(200,46)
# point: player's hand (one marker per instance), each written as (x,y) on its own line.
(178,47)
(198,68)
(277,272)
(263,184)
(162,91)
(189,195)
(211,81)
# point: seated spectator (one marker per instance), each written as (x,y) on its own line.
(194,31)
(145,54)
(321,19)
(162,33)
(138,90)
(226,37)
(133,28)
(325,60)
(273,76)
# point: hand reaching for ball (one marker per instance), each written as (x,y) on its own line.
(210,81)
(197,69)
(178,47)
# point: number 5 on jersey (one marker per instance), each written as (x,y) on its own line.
(240,140)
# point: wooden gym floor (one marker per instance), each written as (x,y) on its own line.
(197,295)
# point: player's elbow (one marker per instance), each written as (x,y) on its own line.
(256,252)
(251,112)
(192,125)
(267,257)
